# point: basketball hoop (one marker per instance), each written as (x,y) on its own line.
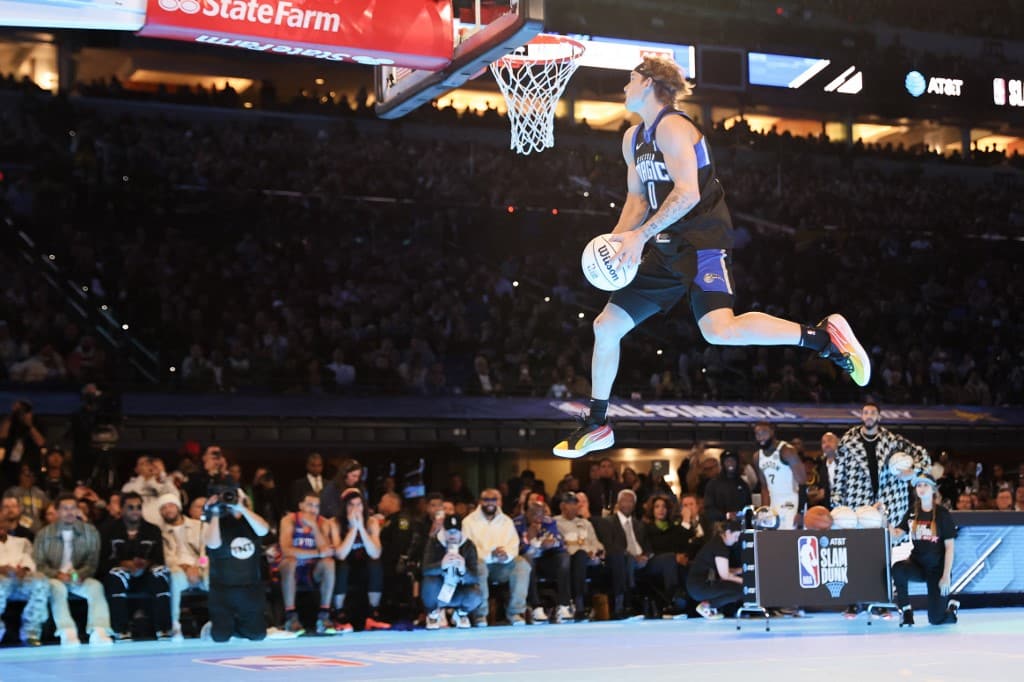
(532,79)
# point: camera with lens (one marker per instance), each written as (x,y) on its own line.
(227,497)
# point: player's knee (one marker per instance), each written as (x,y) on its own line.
(718,333)
(607,329)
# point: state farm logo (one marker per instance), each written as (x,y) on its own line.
(186,6)
(270,13)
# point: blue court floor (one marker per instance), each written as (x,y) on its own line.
(987,645)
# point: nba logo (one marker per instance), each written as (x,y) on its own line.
(807,558)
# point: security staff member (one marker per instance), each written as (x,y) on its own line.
(237,597)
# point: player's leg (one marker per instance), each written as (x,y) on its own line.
(656,288)
(610,326)
(712,300)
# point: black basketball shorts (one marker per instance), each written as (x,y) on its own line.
(663,280)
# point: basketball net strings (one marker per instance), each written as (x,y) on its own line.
(532,92)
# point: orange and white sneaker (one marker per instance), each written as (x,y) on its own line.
(588,437)
(845,350)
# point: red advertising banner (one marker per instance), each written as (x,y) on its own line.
(411,33)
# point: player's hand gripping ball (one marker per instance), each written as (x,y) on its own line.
(599,267)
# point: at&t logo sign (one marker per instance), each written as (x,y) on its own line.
(917,84)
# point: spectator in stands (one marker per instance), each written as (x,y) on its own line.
(68,553)
(604,491)
(32,499)
(195,508)
(1004,499)
(237,594)
(1018,499)
(711,580)
(729,493)
(55,480)
(497,546)
(12,520)
(964,502)
(265,499)
(349,475)
(21,441)
(185,556)
(627,550)
(307,548)
(457,491)
(585,550)
(150,483)
(542,545)
(402,542)
(450,575)
(215,470)
(19,581)
(358,553)
(132,560)
(312,481)
(669,543)
(693,523)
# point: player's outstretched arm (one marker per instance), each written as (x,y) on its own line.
(635,210)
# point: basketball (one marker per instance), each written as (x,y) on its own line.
(598,268)
(844,518)
(868,516)
(817,518)
(901,464)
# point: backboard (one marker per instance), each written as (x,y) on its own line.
(484,31)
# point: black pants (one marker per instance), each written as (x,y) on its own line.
(154,581)
(466,598)
(552,566)
(911,569)
(370,568)
(578,564)
(718,593)
(659,569)
(237,611)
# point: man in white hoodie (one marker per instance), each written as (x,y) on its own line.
(184,556)
(497,546)
(151,483)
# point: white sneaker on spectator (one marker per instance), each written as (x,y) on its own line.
(462,619)
(707,611)
(539,615)
(100,638)
(480,622)
(563,614)
(516,620)
(176,635)
(434,620)
(205,634)
(69,637)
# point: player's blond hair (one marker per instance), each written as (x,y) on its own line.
(670,84)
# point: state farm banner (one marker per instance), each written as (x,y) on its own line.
(411,33)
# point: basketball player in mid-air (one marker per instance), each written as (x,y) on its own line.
(676,204)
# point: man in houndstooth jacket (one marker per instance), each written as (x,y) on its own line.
(859,481)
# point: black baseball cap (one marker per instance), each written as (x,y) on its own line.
(452,522)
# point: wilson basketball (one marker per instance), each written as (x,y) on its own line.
(844,518)
(817,518)
(901,464)
(868,516)
(598,267)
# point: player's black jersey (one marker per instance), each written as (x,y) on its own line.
(707,225)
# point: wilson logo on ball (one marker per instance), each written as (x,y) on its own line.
(606,258)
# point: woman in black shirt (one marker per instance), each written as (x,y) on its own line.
(933,532)
(711,580)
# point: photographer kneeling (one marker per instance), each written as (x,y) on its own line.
(237,593)
(450,578)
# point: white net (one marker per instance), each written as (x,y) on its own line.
(532,80)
